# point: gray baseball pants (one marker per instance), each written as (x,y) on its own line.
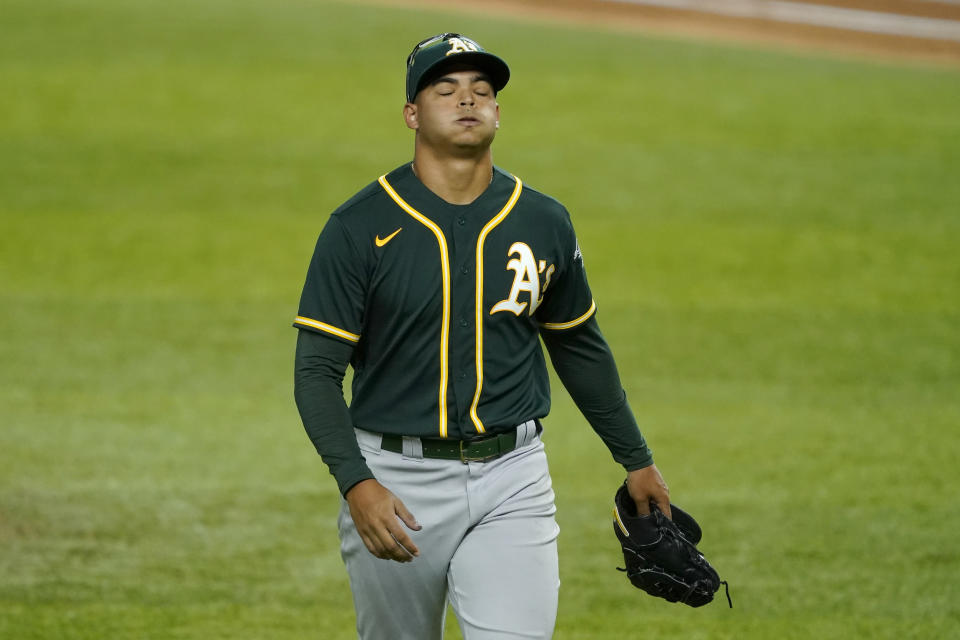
(488,546)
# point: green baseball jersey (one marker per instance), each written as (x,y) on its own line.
(444,303)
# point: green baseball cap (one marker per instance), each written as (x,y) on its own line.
(428,57)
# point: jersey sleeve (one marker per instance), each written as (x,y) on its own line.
(568,301)
(333,295)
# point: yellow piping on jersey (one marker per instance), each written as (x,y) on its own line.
(572,323)
(328,328)
(479,302)
(445,272)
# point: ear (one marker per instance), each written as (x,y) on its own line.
(498,115)
(410,116)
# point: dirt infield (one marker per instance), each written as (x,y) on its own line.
(624,16)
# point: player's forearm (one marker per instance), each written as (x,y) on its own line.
(318,389)
(585,365)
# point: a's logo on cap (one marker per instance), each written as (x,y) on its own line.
(462,45)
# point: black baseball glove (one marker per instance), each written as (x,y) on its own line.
(661,554)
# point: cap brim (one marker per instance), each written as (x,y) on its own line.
(494,67)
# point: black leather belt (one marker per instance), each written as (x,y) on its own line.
(480,449)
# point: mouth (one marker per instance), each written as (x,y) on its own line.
(468,121)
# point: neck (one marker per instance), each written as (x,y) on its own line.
(457,180)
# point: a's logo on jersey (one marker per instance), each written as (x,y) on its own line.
(461,45)
(526,280)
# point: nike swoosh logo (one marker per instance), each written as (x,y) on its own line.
(390,237)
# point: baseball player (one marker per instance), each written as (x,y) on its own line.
(436,282)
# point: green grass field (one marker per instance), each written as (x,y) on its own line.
(773,240)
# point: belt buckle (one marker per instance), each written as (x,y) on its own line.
(463,454)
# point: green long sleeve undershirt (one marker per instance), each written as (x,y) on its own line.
(583,361)
(580,356)
(319,368)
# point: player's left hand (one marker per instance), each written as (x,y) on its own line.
(647,485)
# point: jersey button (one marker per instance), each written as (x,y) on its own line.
(461,221)
(464,270)
(464,323)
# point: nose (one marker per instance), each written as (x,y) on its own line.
(466,98)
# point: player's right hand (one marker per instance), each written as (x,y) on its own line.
(377,514)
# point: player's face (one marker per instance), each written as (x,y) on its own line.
(457,111)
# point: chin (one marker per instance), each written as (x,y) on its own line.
(474,139)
